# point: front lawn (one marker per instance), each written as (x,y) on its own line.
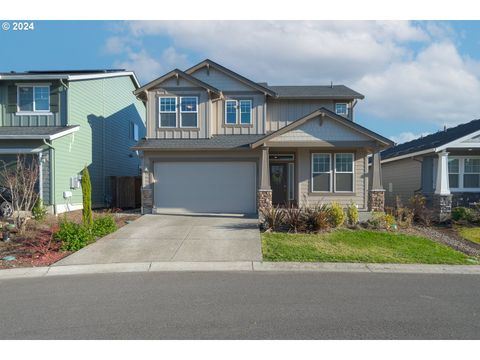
(469,233)
(359,246)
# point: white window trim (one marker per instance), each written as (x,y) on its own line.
(312,173)
(135,132)
(346,107)
(291,181)
(35,111)
(167,112)
(188,112)
(343,172)
(461,173)
(240,111)
(236,112)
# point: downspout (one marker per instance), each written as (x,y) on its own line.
(53,196)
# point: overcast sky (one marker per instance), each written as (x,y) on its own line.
(416,76)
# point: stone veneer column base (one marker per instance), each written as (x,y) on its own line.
(147,201)
(264,200)
(442,207)
(376,200)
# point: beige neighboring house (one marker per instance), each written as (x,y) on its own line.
(217,142)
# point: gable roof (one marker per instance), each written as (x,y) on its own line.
(433,141)
(320,112)
(316,92)
(243,79)
(177,72)
(70,75)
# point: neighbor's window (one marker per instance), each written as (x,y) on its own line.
(134,131)
(245,111)
(343,172)
(341,109)
(33,98)
(168,112)
(471,173)
(231,112)
(189,111)
(321,172)
(453,173)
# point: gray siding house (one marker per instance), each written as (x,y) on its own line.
(444,167)
(217,142)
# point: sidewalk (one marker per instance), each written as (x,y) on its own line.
(246,266)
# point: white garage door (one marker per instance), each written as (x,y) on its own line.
(205,187)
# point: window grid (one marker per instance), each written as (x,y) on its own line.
(189,105)
(245,111)
(344,168)
(321,164)
(341,109)
(168,106)
(464,173)
(231,112)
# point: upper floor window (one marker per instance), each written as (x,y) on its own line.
(168,112)
(231,112)
(341,109)
(245,111)
(33,98)
(189,111)
(134,131)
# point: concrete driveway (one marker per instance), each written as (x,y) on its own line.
(176,238)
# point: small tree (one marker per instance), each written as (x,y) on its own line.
(20,179)
(87,198)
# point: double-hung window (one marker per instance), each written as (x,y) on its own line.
(321,172)
(168,112)
(344,172)
(464,173)
(189,111)
(454,173)
(471,173)
(245,111)
(231,112)
(33,98)
(341,109)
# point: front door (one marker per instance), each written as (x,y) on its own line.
(278,183)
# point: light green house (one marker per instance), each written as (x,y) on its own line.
(68,120)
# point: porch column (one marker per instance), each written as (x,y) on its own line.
(264,194)
(442,199)
(376,195)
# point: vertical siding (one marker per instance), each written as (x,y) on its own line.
(359,196)
(258,103)
(104,109)
(220,80)
(404,177)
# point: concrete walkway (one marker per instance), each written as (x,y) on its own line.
(161,238)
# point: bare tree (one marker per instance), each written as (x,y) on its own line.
(20,179)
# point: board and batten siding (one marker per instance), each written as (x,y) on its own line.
(360,193)
(401,178)
(8,106)
(220,80)
(104,109)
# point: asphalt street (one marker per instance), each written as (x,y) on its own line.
(241,305)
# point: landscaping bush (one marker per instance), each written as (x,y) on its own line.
(272,217)
(352,214)
(74,236)
(403,215)
(316,218)
(382,221)
(103,226)
(87,215)
(463,213)
(420,212)
(293,219)
(336,215)
(39,211)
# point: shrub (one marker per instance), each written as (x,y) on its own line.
(316,218)
(294,219)
(87,198)
(39,211)
(380,220)
(103,226)
(352,214)
(403,215)
(462,213)
(336,215)
(272,217)
(74,236)
(420,212)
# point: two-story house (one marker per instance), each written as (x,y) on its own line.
(68,120)
(217,142)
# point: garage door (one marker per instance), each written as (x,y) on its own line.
(205,187)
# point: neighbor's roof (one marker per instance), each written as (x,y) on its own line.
(70,75)
(316,92)
(432,141)
(216,142)
(35,132)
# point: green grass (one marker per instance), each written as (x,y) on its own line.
(359,246)
(470,233)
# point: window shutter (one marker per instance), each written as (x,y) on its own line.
(12,99)
(54,100)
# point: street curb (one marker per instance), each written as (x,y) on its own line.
(235,266)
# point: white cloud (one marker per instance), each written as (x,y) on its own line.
(406,136)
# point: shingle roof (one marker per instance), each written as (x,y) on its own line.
(316,91)
(433,140)
(33,132)
(215,142)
